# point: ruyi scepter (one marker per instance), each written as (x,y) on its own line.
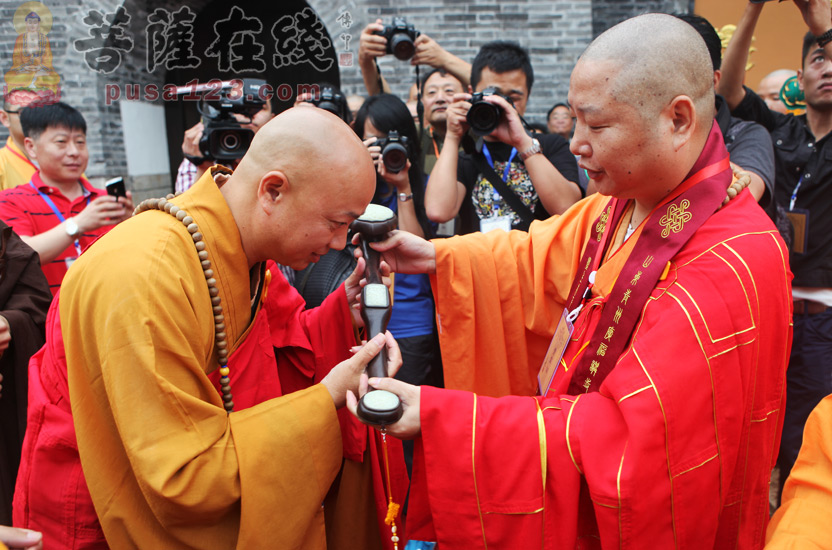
(376,407)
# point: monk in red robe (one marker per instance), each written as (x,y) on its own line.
(652,320)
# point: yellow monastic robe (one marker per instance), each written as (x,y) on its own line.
(15,168)
(802,522)
(166,467)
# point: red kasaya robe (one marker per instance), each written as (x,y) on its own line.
(674,451)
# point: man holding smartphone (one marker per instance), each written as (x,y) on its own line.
(59,213)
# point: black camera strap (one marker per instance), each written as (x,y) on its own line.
(515,202)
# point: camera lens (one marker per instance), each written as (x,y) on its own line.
(230,141)
(226,143)
(394,157)
(402,46)
(483,117)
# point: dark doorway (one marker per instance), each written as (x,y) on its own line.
(284,43)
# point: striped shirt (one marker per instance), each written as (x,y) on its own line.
(185,176)
(29,214)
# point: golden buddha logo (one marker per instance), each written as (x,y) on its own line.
(31,76)
(676,218)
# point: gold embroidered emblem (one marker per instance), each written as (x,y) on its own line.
(587,382)
(647,262)
(610,332)
(676,218)
(593,367)
(602,223)
(602,350)
(618,313)
(636,278)
(626,296)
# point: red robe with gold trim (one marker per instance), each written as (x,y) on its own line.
(674,451)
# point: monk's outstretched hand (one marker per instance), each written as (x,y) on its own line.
(405,252)
(346,375)
(410,424)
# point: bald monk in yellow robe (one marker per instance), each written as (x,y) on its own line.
(15,166)
(802,521)
(147,314)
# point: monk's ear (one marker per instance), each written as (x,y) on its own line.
(4,119)
(800,79)
(681,113)
(272,189)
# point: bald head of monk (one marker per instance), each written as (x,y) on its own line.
(304,179)
(769,89)
(643,97)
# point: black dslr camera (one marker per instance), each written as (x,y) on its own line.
(224,138)
(400,37)
(393,151)
(331,99)
(483,117)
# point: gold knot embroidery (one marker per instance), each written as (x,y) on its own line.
(676,218)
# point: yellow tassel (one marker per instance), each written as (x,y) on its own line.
(392,512)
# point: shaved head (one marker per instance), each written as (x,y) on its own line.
(658,57)
(301,142)
(769,89)
(305,177)
(643,98)
(781,74)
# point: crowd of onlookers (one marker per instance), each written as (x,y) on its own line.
(457,156)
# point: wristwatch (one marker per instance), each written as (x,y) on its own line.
(71,227)
(404,197)
(531,151)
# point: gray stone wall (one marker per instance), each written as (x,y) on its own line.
(78,82)
(554,31)
(606,13)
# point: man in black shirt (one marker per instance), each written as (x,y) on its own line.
(803,176)
(539,172)
(748,143)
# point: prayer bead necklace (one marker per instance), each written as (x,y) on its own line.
(742,180)
(220,335)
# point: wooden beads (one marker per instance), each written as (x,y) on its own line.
(220,336)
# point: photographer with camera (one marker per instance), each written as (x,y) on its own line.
(438,90)
(195,163)
(403,41)
(508,178)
